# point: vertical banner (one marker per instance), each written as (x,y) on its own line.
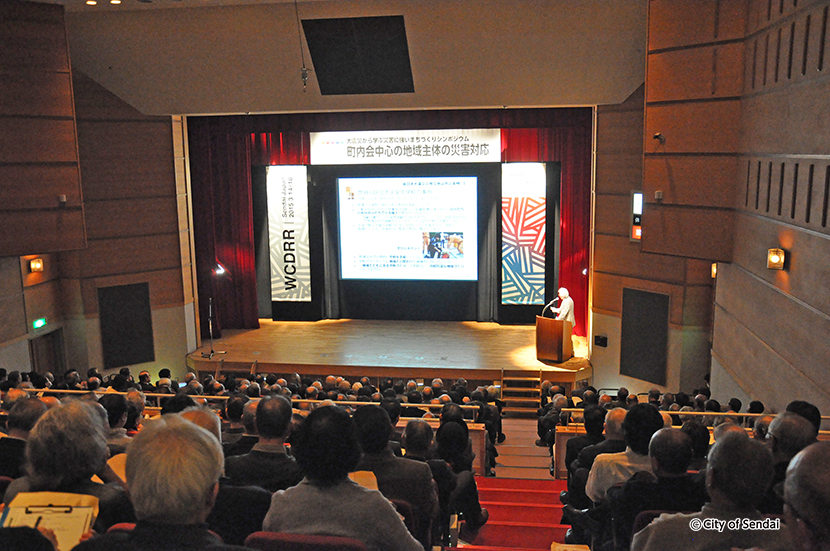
(523,207)
(287,189)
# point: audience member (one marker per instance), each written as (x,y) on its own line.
(698,434)
(807,498)
(116,406)
(22,419)
(267,464)
(65,448)
(641,422)
(806,410)
(398,478)
(788,434)
(326,501)
(739,473)
(173,469)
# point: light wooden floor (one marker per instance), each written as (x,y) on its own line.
(372,347)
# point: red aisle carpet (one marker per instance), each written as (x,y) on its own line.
(524,514)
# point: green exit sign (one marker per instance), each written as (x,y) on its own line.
(38,323)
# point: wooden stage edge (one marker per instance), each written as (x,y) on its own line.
(479,351)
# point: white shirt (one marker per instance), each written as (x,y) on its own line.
(613,468)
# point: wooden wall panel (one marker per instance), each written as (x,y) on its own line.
(165,288)
(691,180)
(613,215)
(808,266)
(93,102)
(44,301)
(794,189)
(787,121)
(697,306)
(42,230)
(126,140)
(618,255)
(700,73)
(39,186)
(37,133)
(689,232)
(619,174)
(131,217)
(12,311)
(27,140)
(128,255)
(769,314)
(38,94)
(607,295)
(764,375)
(697,127)
(615,136)
(674,23)
(133,178)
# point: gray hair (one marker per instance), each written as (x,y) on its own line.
(205,418)
(172,469)
(67,445)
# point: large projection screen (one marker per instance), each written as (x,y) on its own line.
(408,228)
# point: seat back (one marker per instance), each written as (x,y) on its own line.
(279,541)
(4,483)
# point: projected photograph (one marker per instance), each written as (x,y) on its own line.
(443,245)
(419,228)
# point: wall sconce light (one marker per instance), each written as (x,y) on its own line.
(36,265)
(775,259)
(714,270)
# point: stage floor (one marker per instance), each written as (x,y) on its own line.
(375,348)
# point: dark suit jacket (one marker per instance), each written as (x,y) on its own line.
(265,467)
(238,512)
(587,455)
(577,443)
(12,457)
(407,480)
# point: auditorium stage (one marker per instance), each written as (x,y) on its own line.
(400,349)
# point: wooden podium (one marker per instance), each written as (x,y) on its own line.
(553,340)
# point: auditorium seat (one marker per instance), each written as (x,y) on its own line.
(279,541)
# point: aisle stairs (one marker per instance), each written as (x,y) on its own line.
(523,499)
(521,392)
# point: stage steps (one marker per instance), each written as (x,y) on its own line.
(519,457)
(521,392)
(524,514)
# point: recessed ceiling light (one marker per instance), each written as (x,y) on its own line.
(115,1)
(91,2)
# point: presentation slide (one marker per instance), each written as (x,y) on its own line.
(420,228)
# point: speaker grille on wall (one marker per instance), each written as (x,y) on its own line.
(360,55)
(126,325)
(644,342)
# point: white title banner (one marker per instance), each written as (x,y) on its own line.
(479,145)
(287,189)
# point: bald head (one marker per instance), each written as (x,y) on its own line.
(790,433)
(807,494)
(13,396)
(671,449)
(739,470)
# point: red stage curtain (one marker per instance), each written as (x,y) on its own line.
(223,225)
(222,149)
(571,146)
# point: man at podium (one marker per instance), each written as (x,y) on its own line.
(566,307)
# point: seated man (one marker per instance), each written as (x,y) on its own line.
(788,434)
(327,502)
(593,420)
(22,419)
(398,478)
(807,497)
(267,464)
(579,470)
(250,437)
(641,422)
(173,469)
(116,406)
(673,489)
(739,473)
